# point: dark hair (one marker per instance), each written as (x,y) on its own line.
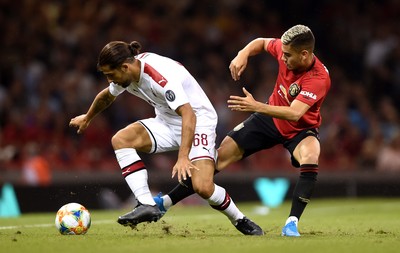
(304,41)
(117,52)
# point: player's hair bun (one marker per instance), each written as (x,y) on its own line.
(135,47)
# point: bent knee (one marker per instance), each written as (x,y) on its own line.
(309,159)
(204,189)
(118,142)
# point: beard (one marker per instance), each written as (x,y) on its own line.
(124,84)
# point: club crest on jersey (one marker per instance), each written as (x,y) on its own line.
(294,90)
(170,95)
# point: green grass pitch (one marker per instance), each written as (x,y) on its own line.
(328,225)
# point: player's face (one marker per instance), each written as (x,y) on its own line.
(293,59)
(118,75)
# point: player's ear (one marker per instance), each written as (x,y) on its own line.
(124,67)
(304,54)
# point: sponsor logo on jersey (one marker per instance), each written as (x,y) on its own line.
(308,94)
(170,95)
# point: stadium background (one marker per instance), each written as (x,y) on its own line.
(48,75)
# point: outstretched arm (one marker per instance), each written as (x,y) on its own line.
(239,63)
(101,102)
(248,104)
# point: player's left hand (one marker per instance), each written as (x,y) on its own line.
(244,104)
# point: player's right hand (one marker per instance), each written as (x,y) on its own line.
(80,122)
(182,169)
(237,66)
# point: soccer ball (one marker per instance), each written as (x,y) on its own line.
(73,219)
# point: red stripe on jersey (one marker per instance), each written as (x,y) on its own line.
(139,165)
(140,56)
(155,75)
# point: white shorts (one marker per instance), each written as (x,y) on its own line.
(166,137)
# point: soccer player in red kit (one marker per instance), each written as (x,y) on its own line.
(291,116)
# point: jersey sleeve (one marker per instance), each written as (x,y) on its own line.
(274,47)
(175,95)
(312,90)
(115,89)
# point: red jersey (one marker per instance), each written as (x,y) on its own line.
(309,87)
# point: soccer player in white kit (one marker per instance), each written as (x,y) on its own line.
(185,121)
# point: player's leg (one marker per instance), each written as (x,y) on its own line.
(229,152)
(178,193)
(306,154)
(217,196)
(255,133)
(126,142)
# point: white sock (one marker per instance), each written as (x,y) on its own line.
(135,174)
(219,198)
(292,218)
(167,202)
(137,181)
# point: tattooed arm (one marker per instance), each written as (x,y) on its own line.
(101,102)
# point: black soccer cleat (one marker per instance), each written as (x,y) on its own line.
(141,213)
(248,227)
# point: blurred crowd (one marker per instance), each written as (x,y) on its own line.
(48,75)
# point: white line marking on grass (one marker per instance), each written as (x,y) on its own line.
(27,226)
(50,225)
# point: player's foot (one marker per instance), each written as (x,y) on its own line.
(290,229)
(141,213)
(160,203)
(248,227)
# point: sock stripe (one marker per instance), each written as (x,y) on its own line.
(224,205)
(136,166)
(309,168)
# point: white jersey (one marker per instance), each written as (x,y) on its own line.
(166,84)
